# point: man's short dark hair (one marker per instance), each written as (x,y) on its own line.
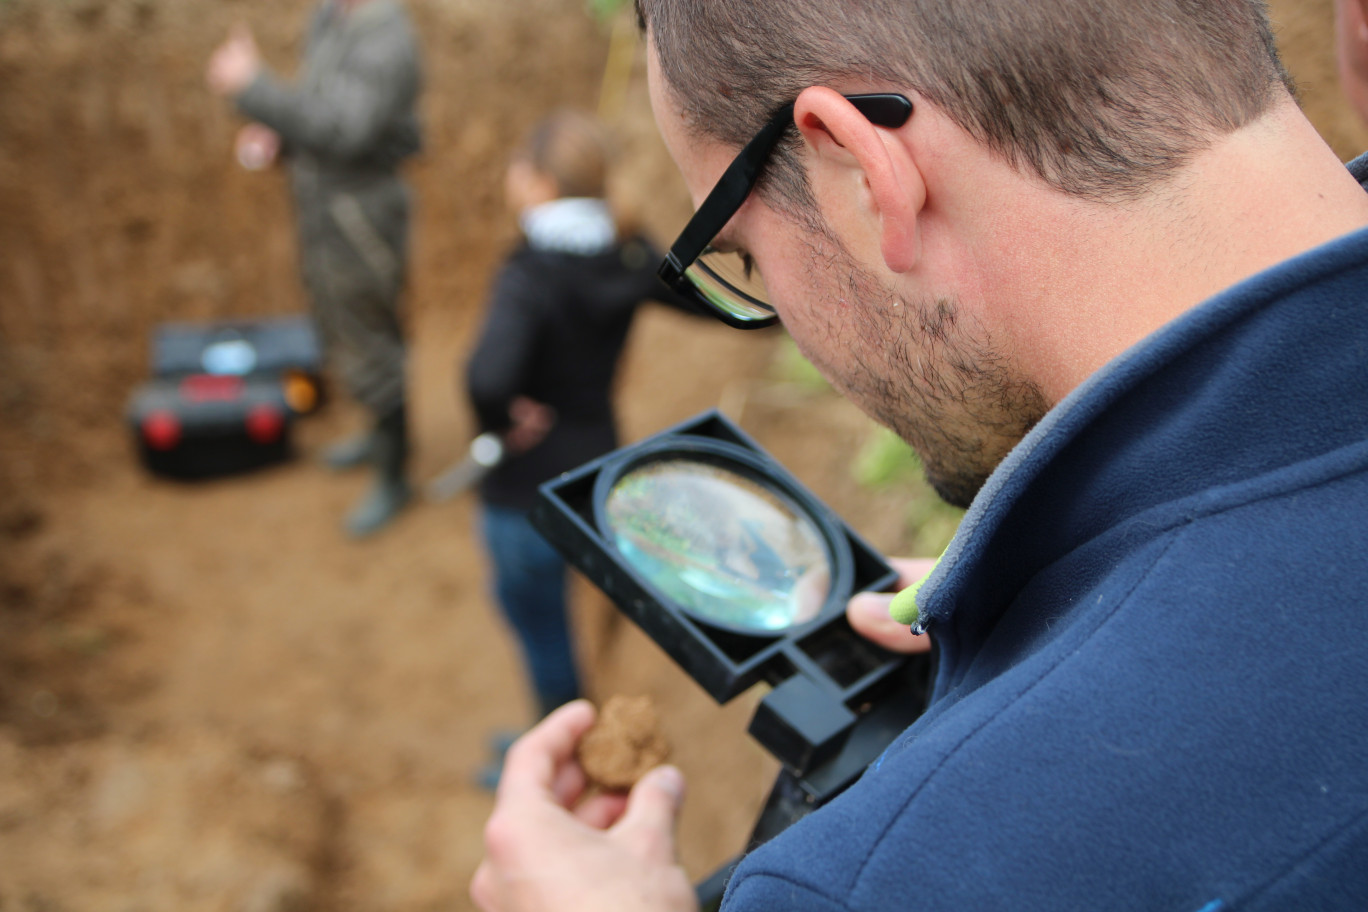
(1100,98)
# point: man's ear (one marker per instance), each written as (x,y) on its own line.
(864,178)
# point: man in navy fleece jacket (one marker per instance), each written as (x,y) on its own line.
(1110,284)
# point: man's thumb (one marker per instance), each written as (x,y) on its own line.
(652,809)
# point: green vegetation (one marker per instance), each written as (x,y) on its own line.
(885,460)
(885,463)
(604,10)
(791,367)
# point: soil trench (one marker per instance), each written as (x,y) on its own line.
(209,699)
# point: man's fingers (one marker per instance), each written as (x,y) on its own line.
(868,615)
(602,810)
(569,784)
(482,890)
(868,611)
(534,761)
(648,824)
(911,569)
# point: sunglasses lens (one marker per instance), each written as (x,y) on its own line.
(731,284)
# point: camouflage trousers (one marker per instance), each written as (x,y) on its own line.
(353,248)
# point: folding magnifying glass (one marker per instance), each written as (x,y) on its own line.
(742,575)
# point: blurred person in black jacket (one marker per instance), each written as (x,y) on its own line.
(541,374)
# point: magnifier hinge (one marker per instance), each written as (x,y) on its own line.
(801,724)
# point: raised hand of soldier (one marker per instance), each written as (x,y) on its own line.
(256,146)
(234,64)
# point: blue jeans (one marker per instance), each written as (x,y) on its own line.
(529,585)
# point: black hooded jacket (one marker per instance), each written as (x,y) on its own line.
(555,328)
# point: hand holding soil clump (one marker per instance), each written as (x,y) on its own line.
(624,744)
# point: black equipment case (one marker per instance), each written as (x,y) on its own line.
(223,396)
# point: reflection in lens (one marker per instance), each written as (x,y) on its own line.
(719,544)
(732,283)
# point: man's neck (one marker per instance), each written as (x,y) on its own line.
(1109,275)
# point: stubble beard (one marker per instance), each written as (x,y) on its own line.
(927,373)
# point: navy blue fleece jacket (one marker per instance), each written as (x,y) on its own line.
(1153,640)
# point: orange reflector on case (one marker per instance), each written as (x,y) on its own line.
(301,393)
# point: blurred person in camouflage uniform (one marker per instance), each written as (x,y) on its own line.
(345,125)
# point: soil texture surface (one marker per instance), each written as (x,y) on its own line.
(209,698)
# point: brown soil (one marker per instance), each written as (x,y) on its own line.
(624,744)
(208,698)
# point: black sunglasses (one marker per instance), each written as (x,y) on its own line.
(727,284)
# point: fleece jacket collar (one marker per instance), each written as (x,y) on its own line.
(1235,388)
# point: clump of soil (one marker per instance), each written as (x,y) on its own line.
(624,744)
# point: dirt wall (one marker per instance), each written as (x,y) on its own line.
(208,699)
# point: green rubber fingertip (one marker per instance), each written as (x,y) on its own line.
(903,608)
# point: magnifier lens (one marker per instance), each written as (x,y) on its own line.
(719,544)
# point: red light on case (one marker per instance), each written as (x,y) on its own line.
(265,424)
(161,429)
(211,388)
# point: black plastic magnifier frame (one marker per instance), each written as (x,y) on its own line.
(736,183)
